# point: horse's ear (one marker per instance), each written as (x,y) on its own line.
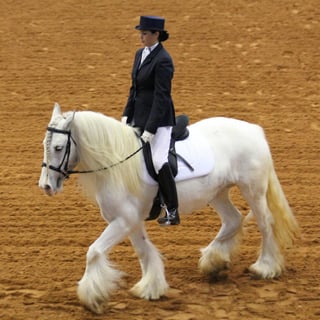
(69,118)
(56,111)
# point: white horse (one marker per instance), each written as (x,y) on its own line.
(101,146)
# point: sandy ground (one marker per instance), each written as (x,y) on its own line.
(254,60)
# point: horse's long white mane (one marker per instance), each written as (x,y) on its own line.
(101,142)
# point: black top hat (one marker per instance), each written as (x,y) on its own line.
(151,23)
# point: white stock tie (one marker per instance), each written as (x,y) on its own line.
(145,53)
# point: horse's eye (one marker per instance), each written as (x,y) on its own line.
(58,148)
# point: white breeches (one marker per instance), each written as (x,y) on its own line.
(160,145)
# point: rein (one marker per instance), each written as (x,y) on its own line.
(106,168)
(65,171)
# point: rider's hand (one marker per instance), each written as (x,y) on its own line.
(124,120)
(147,136)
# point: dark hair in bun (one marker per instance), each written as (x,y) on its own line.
(163,35)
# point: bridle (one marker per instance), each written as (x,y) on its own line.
(65,171)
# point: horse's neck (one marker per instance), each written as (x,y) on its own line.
(122,169)
(94,126)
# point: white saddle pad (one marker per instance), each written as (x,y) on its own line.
(196,151)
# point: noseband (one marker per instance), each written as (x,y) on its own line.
(65,172)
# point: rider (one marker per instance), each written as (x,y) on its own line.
(150,107)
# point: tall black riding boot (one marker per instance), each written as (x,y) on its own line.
(168,189)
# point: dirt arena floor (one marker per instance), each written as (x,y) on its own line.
(253,60)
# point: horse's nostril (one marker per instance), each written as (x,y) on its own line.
(47,187)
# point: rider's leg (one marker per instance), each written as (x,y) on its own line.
(168,188)
(160,145)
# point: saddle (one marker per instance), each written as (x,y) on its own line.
(179,132)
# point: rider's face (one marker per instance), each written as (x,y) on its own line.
(148,38)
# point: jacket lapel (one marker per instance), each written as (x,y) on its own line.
(152,54)
(136,65)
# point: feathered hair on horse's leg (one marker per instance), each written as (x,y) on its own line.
(217,256)
(98,282)
(153,283)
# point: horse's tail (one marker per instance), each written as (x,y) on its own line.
(285,226)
